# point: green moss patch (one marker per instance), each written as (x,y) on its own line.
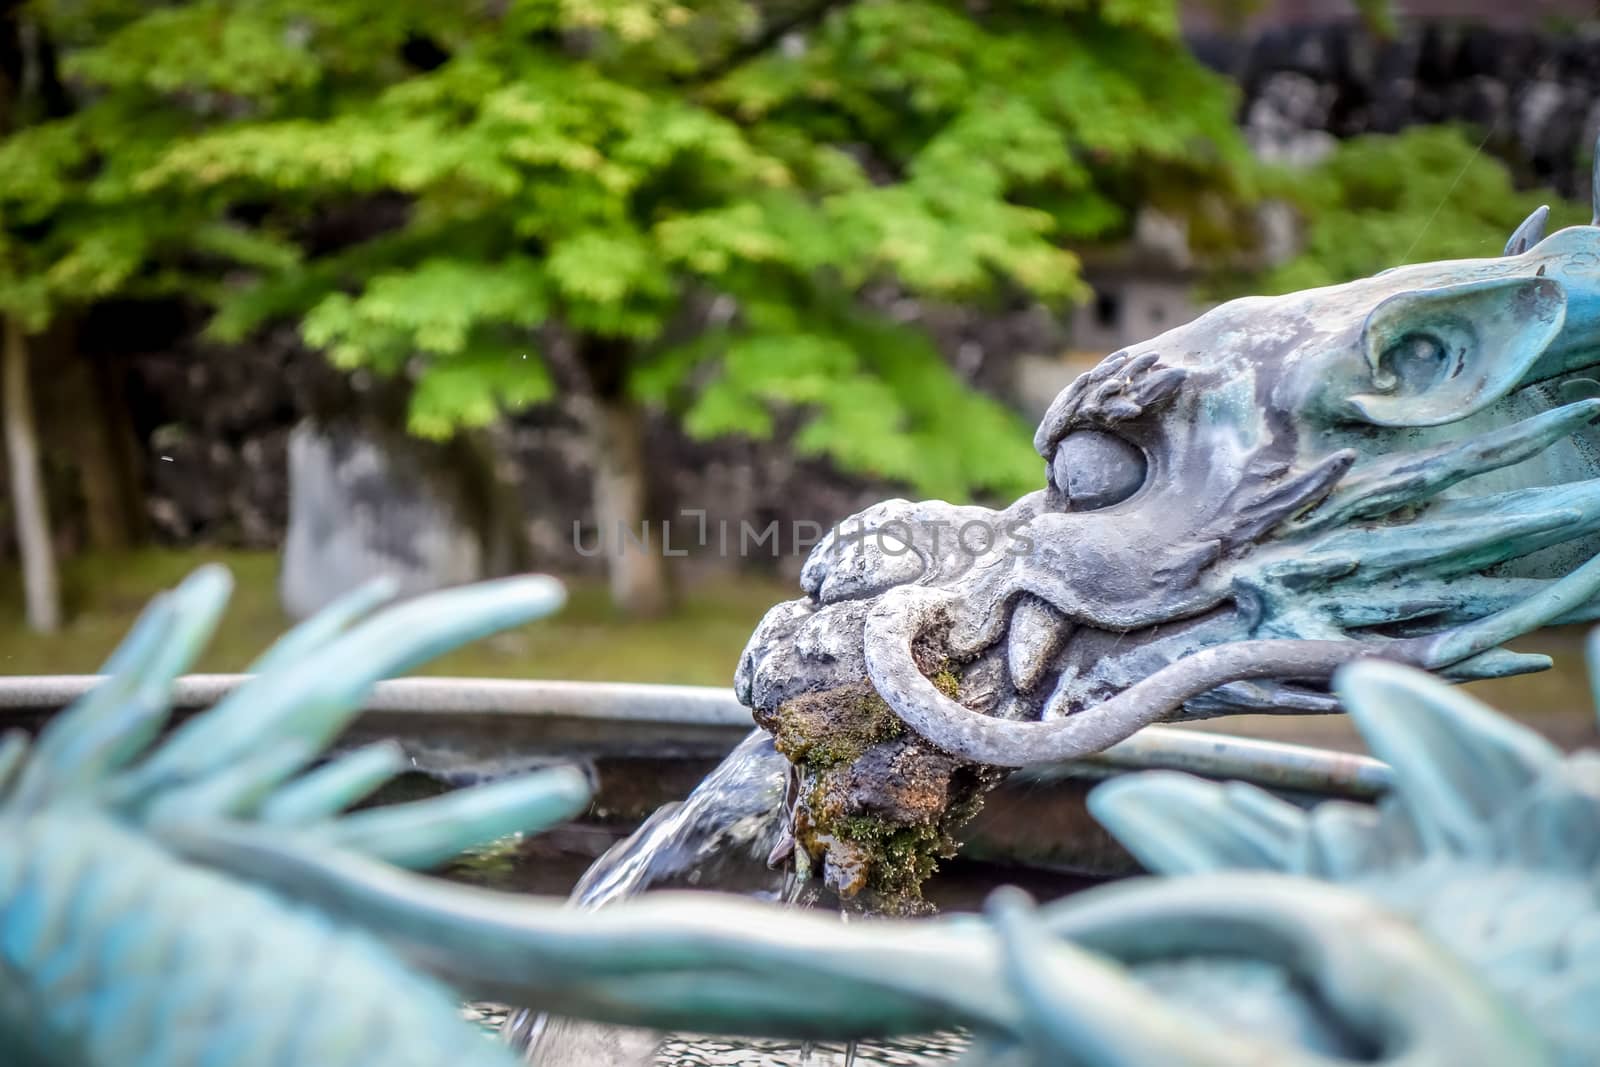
(834,726)
(877,807)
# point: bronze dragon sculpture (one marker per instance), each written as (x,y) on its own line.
(1402,466)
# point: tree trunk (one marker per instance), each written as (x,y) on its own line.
(633,549)
(488,502)
(596,373)
(103,452)
(39,583)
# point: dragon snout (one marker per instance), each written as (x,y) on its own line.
(855,563)
(816,642)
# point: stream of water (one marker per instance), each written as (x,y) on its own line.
(719,837)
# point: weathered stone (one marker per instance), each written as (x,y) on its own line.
(360,508)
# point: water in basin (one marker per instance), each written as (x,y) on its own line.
(720,837)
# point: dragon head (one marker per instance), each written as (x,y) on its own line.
(1401,466)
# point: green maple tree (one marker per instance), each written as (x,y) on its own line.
(1387,199)
(687,199)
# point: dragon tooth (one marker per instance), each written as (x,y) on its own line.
(1036,634)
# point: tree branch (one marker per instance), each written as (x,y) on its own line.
(763,42)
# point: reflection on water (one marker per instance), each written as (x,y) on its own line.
(717,1052)
(682,1050)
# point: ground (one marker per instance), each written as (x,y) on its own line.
(698,645)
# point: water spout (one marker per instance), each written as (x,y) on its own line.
(718,837)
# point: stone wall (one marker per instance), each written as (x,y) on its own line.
(1535,94)
(1208,16)
(217,428)
(216,425)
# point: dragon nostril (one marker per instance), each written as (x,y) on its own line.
(868,563)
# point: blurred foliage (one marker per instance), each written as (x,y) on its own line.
(1382,201)
(709,188)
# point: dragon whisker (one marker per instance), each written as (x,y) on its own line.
(1437,546)
(1389,484)
(906,612)
(1496,663)
(1552,602)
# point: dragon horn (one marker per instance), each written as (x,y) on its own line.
(1179,824)
(326,625)
(1530,233)
(315,697)
(426,833)
(114,723)
(1457,763)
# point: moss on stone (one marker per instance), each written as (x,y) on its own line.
(903,858)
(878,807)
(834,726)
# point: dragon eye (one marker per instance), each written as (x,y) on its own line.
(1096,470)
(1414,363)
